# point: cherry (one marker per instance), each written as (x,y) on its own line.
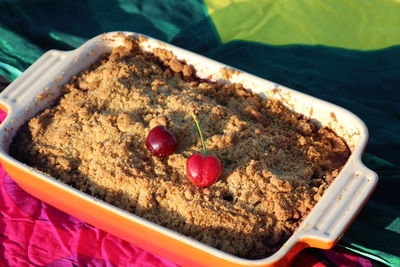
(161,142)
(203,170)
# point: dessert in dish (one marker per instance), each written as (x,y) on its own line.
(276,163)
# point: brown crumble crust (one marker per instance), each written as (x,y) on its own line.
(277,164)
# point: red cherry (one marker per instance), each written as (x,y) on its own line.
(161,142)
(203,171)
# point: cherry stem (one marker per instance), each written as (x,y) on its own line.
(201,134)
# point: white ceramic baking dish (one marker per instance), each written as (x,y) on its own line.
(40,85)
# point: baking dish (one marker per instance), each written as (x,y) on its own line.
(41,84)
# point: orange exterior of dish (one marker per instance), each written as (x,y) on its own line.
(4,108)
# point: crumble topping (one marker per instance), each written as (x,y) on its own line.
(276,163)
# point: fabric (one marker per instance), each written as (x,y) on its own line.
(345,52)
(356,24)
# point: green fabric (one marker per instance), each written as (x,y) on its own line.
(356,24)
(10,73)
(365,82)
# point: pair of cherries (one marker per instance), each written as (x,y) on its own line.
(201,169)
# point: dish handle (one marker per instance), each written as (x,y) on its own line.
(339,208)
(34,80)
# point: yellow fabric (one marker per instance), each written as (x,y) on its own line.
(355,24)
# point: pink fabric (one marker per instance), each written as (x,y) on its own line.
(33,233)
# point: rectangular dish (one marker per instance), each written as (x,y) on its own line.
(34,91)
